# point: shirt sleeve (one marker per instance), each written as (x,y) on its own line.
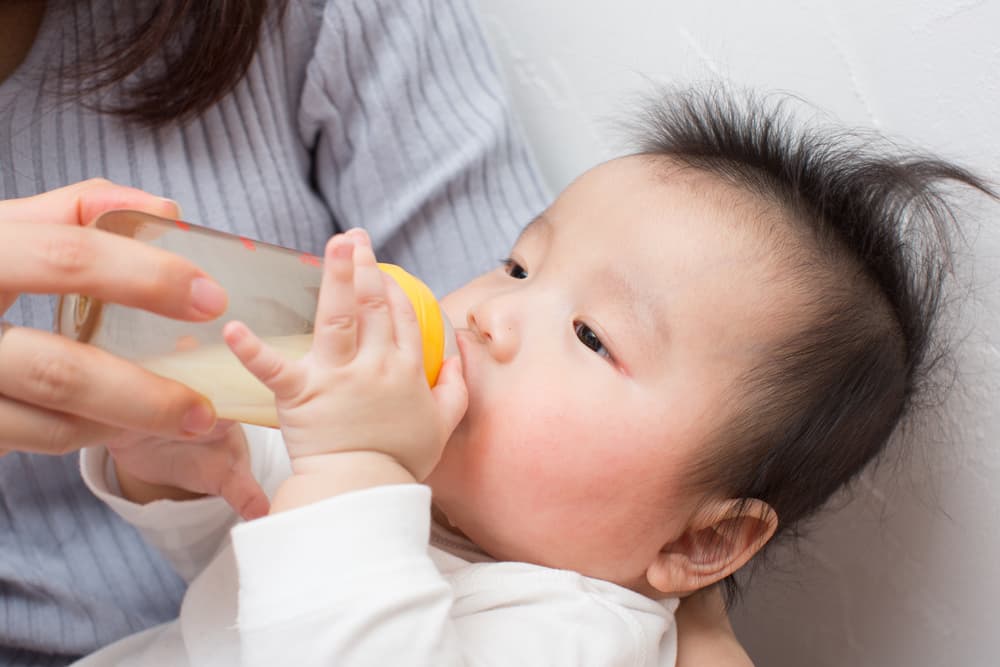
(188,533)
(323,582)
(350,581)
(412,136)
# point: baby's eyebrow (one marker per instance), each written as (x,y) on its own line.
(649,322)
(540,224)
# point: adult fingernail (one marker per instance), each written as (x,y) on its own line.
(208,297)
(199,420)
(173,202)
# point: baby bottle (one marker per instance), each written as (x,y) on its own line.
(272,289)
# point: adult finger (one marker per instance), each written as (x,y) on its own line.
(125,439)
(240,489)
(245,495)
(7,299)
(29,428)
(335,333)
(81,203)
(53,372)
(59,259)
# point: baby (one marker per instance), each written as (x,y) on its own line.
(682,358)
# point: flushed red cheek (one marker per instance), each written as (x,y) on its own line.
(566,458)
(527,443)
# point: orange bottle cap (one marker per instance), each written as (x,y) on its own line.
(429,317)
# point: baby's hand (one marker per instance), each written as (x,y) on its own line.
(361,387)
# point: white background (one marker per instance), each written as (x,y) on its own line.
(906,571)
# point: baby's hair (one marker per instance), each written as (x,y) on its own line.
(870,226)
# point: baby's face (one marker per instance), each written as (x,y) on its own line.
(597,361)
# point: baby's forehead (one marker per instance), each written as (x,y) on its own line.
(736,196)
(647,194)
(678,233)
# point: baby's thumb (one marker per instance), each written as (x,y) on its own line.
(451,394)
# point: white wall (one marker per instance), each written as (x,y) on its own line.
(906,573)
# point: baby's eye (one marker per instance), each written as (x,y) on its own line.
(513,269)
(590,339)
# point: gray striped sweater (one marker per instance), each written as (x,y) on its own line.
(376,113)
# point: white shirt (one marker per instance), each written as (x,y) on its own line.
(358,580)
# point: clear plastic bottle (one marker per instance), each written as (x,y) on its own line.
(272,289)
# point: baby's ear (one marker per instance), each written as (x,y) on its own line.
(720,539)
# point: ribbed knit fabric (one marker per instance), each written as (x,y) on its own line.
(377,113)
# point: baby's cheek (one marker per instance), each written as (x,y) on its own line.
(550,453)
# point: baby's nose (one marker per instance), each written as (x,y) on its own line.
(496,330)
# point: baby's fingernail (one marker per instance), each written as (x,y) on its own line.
(208,297)
(358,234)
(199,420)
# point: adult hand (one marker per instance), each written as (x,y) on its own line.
(216,464)
(57,395)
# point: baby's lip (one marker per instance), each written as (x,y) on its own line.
(463,339)
(470,352)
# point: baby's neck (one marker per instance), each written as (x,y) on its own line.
(447,537)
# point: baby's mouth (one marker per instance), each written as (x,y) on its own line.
(465,339)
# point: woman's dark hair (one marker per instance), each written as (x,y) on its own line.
(870,225)
(201,49)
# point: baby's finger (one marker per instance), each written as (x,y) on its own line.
(375,321)
(335,334)
(263,362)
(358,236)
(408,336)
(451,394)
